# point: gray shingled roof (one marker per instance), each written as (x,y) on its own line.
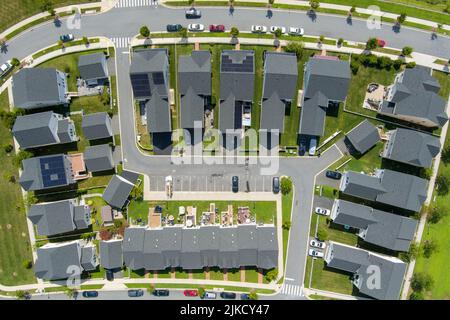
(195,71)
(92,66)
(53,217)
(312,118)
(132,248)
(228,115)
(37,129)
(229,251)
(158,114)
(82,216)
(153,243)
(416,94)
(35,85)
(358,262)
(53,260)
(99,158)
(353,215)
(97,126)
(280,75)
(64,127)
(190,257)
(364,136)
(272,113)
(192,109)
(247,238)
(239,83)
(117,192)
(209,244)
(111,254)
(89,261)
(412,147)
(148,60)
(391,187)
(171,245)
(267,247)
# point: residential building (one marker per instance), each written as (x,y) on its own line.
(386,186)
(194,77)
(159,123)
(93,68)
(384,229)
(364,265)
(99,158)
(43,129)
(237,80)
(111,256)
(325,85)
(46,172)
(414,98)
(34,88)
(59,217)
(363,137)
(97,126)
(411,147)
(61,260)
(117,191)
(279,90)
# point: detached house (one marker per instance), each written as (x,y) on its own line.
(279,89)
(117,191)
(363,137)
(380,228)
(34,88)
(411,147)
(97,126)
(59,217)
(386,186)
(194,74)
(414,98)
(93,68)
(43,129)
(111,256)
(237,80)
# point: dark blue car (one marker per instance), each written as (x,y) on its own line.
(90,294)
(174,27)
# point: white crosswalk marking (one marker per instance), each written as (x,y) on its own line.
(291,290)
(136,3)
(121,42)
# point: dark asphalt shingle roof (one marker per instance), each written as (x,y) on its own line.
(132,247)
(37,129)
(313,114)
(241,81)
(97,126)
(92,66)
(53,217)
(111,256)
(158,114)
(364,136)
(195,71)
(280,75)
(272,113)
(353,215)
(117,192)
(99,158)
(192,109)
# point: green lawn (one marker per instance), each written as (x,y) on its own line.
(15,246)
(286,205)
(367,162)
(336,232)
(328,279)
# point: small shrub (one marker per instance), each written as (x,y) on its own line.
(322,234)
(354,66)
(8,148)
(397,64)
(286,185)
(429,247)
(411,64)
(421,281)
(406,51)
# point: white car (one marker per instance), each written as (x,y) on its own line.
(196,27)
(294,31)
(322,211)
(259,29)
(312,146)
(275,28)
(4,68)
(314,253)
(317,244)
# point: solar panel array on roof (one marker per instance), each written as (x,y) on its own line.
(140,84)
(53,171)
(245,66)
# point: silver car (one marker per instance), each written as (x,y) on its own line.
(317,244)
(259,29)
(294,31)
(315,253)
(322,211)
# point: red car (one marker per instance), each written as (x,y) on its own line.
(216,28)
(381,43)
(190,293)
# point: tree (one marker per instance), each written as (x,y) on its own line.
(8,147)
(271,275)
(286,225)
(85,41)
(314,5)
(234,32)
(47,5)
(372,44)
(406,51)
(445,155)
(277,33)
(286,185)
(22,155)
(416,296)
(401,18)
(353,9)
(421,281)
(295,47)
(354,66)
(322,234)
(397,64)
(15,62)
(52,12)
(340,42)
(442,183)
(27,264)
(436,214)
(184,33)
(411,65)
(144,31)
(412,253)
(191,2)
(71,293)
(428,248)
(21,294)
(201,292)
(253,295)
(321,39)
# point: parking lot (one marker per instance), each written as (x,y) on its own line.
(212,183)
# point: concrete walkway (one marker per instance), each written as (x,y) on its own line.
(329,294)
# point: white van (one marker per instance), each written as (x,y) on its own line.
(312,146)
(210,295)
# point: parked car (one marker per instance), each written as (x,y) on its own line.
(302,146)
(5,68)
(235,184)
(196,27)
(294,31)
(135,293)
(190,293)
(90,294)
(209,295)
(160,293)
(333,174)
(259,29)
(67,37)
(228,295)
(312,146)
(322,211)
(381,43)
(317,244)
(109,275)
(276,185)
(193,13)
(314,253)
(174,27)
(275,28)
(216,28)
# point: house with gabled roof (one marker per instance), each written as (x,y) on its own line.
(411,147)
(34,88)
(117,191)
(414,98)
(52,218)
(363,137)
(93,68)
(362,265)
(97,126)
(111,256)
(386,186)
(99,158)
(383,229)
(43,129)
